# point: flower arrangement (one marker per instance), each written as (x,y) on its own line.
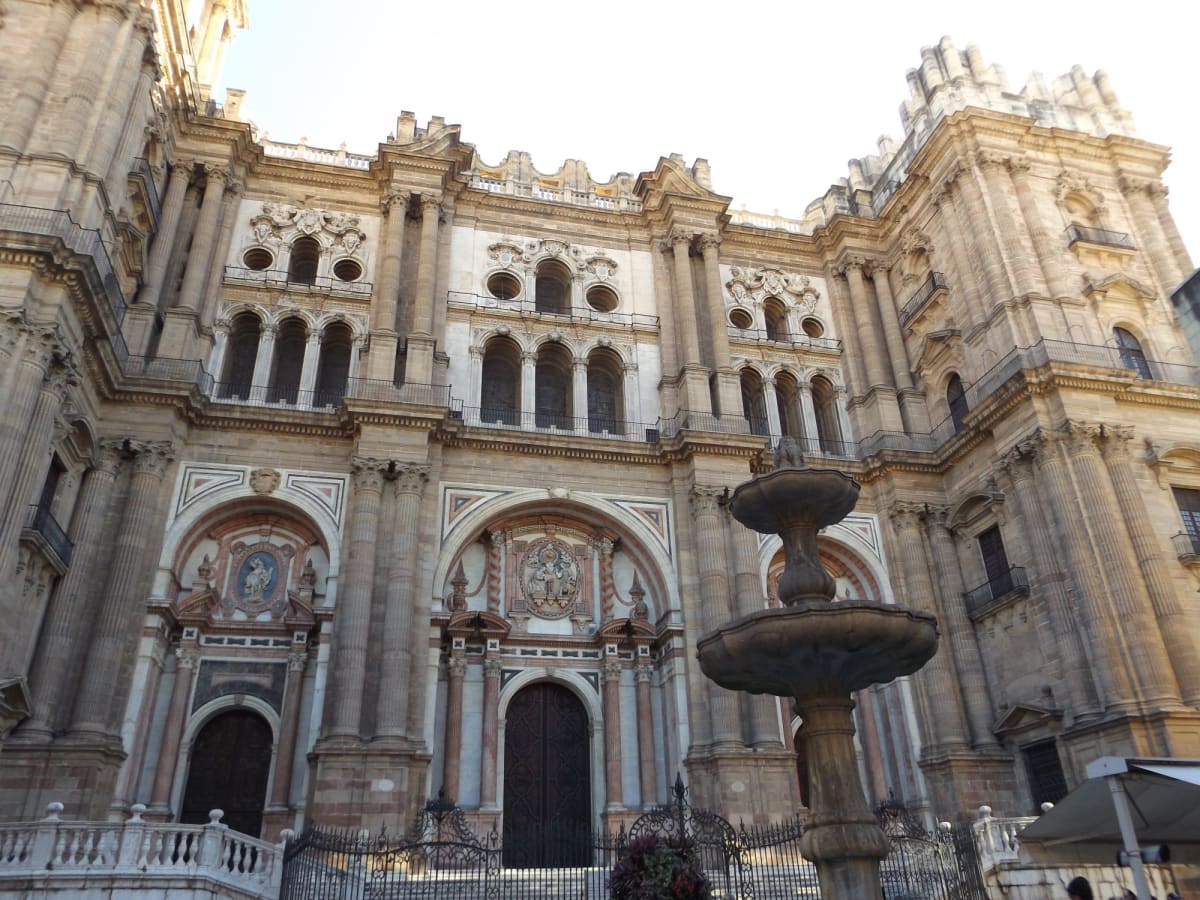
(656,869)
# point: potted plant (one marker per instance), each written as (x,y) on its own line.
(657,869)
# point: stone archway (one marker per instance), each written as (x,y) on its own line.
(230,766)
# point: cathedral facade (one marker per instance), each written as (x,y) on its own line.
(331,481)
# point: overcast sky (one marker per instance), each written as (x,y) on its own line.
(776,96)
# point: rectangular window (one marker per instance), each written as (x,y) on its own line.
(1047,783)
(995,561)
(50,486)
(1188,502)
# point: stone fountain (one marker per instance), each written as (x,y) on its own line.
(819,652)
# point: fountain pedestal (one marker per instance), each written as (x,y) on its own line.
(818,653)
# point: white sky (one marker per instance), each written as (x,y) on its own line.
(777,96)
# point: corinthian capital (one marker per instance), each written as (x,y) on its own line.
(411,478)
(431,203)
(680,236)
(367,473)
(906,514)
(708,241)
(1114,441)
(706,499)
(151,457)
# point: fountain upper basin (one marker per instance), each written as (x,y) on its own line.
(799,495)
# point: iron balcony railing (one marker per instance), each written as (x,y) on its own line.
(526,307)
(979,600)
(1102,236)
(16,221)
(279,278)
(40,520)
(141,170)
(544,422)
(1187,545)
(935,283)
(795,341)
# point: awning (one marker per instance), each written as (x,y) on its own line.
(1164,804)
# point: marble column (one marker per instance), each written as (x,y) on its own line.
(889,315)
(127,57)
(492,667)
(528,388)
(938,679)
(1144,646)
(260,380)
(391,709)
(63,627)
(958,629)
(164,238)
(122,606)
(808,415)
(981,237)
(771,407)
(647,761)
(632,398)
(1175,625)
(309,366)
(353,619)
(495,544)
(1050,581)
(579,394)
(1096,619)
(713,569)
(1057,282)
(187,660)
(456,671)
(872,748)
(289,727)
(384,338)
(611,706)
(1150,237)
(875,353)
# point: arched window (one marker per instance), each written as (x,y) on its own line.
(552,386)
(500,395)
(787,398)
(302,265)
(775,320)
(334,369)
(829,432)
(956,399)
(605,406)
(240,356)
(1132,356)
(553,291)
(289,361)
(754,407)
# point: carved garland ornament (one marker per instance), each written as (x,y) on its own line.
(511,256)
(335,228)
(550,579)
(755,285)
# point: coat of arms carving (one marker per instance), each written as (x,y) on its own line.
(550,579)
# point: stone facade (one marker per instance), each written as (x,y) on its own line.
(373,472)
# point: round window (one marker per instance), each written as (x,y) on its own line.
(258,259)
(601,299)
(347,270)
(812,327)
(503,286)
(739,318)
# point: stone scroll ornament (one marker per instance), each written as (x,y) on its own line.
(550,579)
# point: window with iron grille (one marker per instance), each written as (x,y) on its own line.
(1131,353)
(1047,783)
(995,561)
(1188,502)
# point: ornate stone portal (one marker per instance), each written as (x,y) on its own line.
(819,652)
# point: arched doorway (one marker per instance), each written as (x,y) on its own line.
(230,763)
(547,782)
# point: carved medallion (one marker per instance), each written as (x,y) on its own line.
(264,481)
(550,579)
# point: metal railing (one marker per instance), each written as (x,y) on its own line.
(40,520)
(141,170)
(603,427)
(794,341)
(1187,545)
(86,242)
(1102,236)
(932,285)
(279,278)
(978,600)
(390,392)
(527,308)
(279,396)
(687,420)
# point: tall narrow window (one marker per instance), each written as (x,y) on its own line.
(754,408)
(289,361)
(1132,356)
(775,320)
(334,369)
(552,293)
(604,394)
(1188,502)
(1047,782)
(829,433)
(50,485)
(787,398)
(302,265)
(500,392)
(552,387)
(956,399)
(995,561)
(240,356)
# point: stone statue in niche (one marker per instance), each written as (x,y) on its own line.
(258,576)
(551,579)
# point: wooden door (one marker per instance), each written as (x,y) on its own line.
(230,764)
(547,793)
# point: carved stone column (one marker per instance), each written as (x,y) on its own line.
(200,254)
(1011,235)
(1151,239)
(843,316)
(1144,646)
(455,673)
(495,569)
(38,67)
(308,367)
(938,679)
(1057,280)
(421,339)
(353,620)
(808,415)
(261,379)
(187,660)
(872,749)
(216,276)
(608,590)
(685,297)
(972,309)
(67,613)
(95,37)
(959,631)
(889,315)
(710,250)
(647,760)
(492,667)
(579,394)
(714,568)
(98,707)
(391,710)
(289,726)
(394,207)
(611,703)
(875,354)
(36,347)
(1158,198)
(1176,627)
(771,408)
(528,388)
(164,238)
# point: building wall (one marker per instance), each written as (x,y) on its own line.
(941,324)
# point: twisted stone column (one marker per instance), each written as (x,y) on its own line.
(353,620)
(66,615)
(938,680)
(187,661)
(98,707)
(1145,647)
(289,726)
(164,238)
(391,709)
(875,353)
(492,667)
(456,672)
(495,563)
(647,762)
(394,207)
(713,566)
(958,629)
(611,707)
(1175,625)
